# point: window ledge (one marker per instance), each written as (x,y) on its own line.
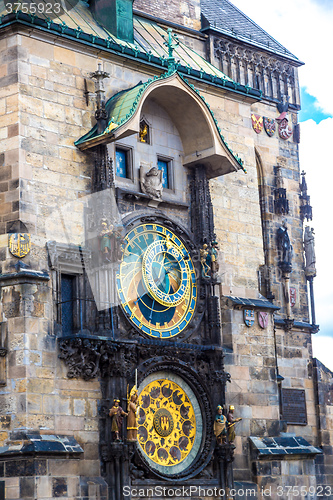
(132,195)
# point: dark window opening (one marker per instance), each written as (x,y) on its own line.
(67,303)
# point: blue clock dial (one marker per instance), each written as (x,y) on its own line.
(156,281)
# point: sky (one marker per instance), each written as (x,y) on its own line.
(304,27)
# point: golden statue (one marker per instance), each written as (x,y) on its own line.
(132,407)
(143,134)
(231,424)
(220,423)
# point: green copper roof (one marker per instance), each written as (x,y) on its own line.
(121,107)
(148,47)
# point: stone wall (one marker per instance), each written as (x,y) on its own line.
(284,478)
(184,12)
(11,62)
(324,406)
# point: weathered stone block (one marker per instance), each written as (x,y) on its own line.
(27,487)
(59,487)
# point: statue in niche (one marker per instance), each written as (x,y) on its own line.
(105,239)
(132,425)
(144,132)
(310,257)
(284,245)
(220,426)
(151,182)
(214,256)
(117,414)
(232,421)
(205,259)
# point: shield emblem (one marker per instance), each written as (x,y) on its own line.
(269,126)
(263,319)
(284,130)
(19,244)
(249,317)
(292,294)
(257,123)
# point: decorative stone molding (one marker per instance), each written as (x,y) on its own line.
(272,76)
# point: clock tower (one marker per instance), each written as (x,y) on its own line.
(164,359)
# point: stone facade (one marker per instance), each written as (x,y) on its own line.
(58,389)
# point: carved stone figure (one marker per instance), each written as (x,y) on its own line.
(310,257)
(151,182)
(214,256)
(105,237)
(220,423)
(143,133)
(117,414)
(231,424)
(204,259)
(284,245)
(132,426)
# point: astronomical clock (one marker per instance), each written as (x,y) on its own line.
(157,282)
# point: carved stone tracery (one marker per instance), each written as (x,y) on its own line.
(249,67)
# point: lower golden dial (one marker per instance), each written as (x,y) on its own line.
(166,423)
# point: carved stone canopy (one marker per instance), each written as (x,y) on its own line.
(197,127)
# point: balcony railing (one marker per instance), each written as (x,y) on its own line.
(81,316)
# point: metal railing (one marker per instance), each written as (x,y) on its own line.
(81,316)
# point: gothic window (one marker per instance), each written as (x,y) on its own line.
(165,166)
(122,167)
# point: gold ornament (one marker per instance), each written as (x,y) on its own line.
(166,423)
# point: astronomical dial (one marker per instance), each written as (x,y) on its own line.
(169,423)
(156,281)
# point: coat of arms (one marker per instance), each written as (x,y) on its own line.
(263,319)
(269,126)
(257,123)
(19,244)
(284,130)
(292,294)
(249,317)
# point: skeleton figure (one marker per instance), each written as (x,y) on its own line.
(205,260)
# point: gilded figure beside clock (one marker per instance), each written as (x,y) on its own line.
(157,281)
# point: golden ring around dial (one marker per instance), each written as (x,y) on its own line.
(167,299)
